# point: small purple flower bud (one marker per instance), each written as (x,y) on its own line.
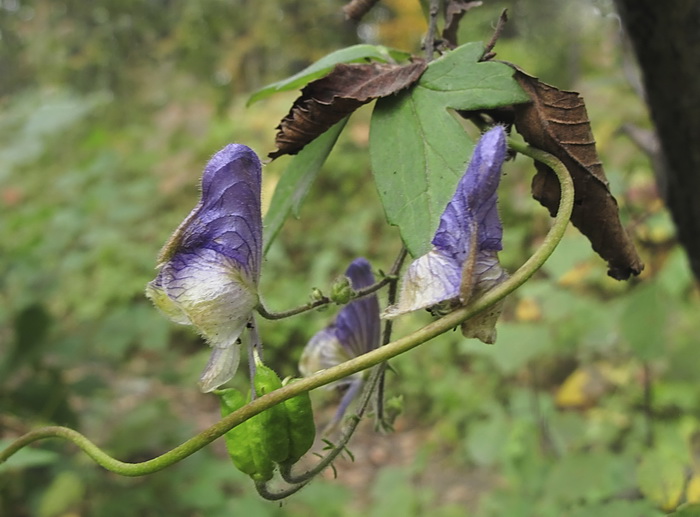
(355,331)
(463,262)
(210,267)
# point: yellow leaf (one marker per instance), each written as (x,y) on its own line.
(528,310)
(693,491)
(582,388)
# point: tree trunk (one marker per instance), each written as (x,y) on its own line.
(666,39)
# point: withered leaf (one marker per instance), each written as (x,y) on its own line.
(327,100)
(454,10)
(556,121)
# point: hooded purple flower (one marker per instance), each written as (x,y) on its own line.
(355,331)
(464,260)
(210,267)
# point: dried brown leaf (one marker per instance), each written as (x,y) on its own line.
(454,10)
(327,100)
(556,121)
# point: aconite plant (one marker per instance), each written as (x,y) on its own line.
(437,186)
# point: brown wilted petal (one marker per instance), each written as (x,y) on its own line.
(328,100)
(556,121)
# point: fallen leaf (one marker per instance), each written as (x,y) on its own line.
(582,388)
(556,121)
(327,100)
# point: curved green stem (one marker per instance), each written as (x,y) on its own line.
(345,369)
(265,492)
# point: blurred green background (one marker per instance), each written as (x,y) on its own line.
(589,404)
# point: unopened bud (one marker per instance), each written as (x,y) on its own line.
(316,295)
(341,292)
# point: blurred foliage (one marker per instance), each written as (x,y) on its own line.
(589,404)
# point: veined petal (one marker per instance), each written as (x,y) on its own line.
(227,218)
(354,331)
(213,291)
(156,293)
(222,365)
(463,262)
(210,267)
(473,206)
(321,352)
(357,324)
(428,281)
(488,273)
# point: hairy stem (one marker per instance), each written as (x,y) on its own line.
(265,492)
(349,430)
(375,382)
(340,371)
(322,301)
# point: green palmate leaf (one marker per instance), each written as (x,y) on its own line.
(417,147)
(353,54)
(296,181)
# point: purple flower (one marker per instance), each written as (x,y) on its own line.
(355,331)
(464,260)
(210,267)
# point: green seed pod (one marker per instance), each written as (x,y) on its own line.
(243,441)
(302,428)
(274,424)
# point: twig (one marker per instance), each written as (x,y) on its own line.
(648,402)
(429,43)
(324,300)
(388,328)
(454,11)
(545,438)
(488,50)
(356,9)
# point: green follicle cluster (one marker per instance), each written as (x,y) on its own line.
(279,435)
